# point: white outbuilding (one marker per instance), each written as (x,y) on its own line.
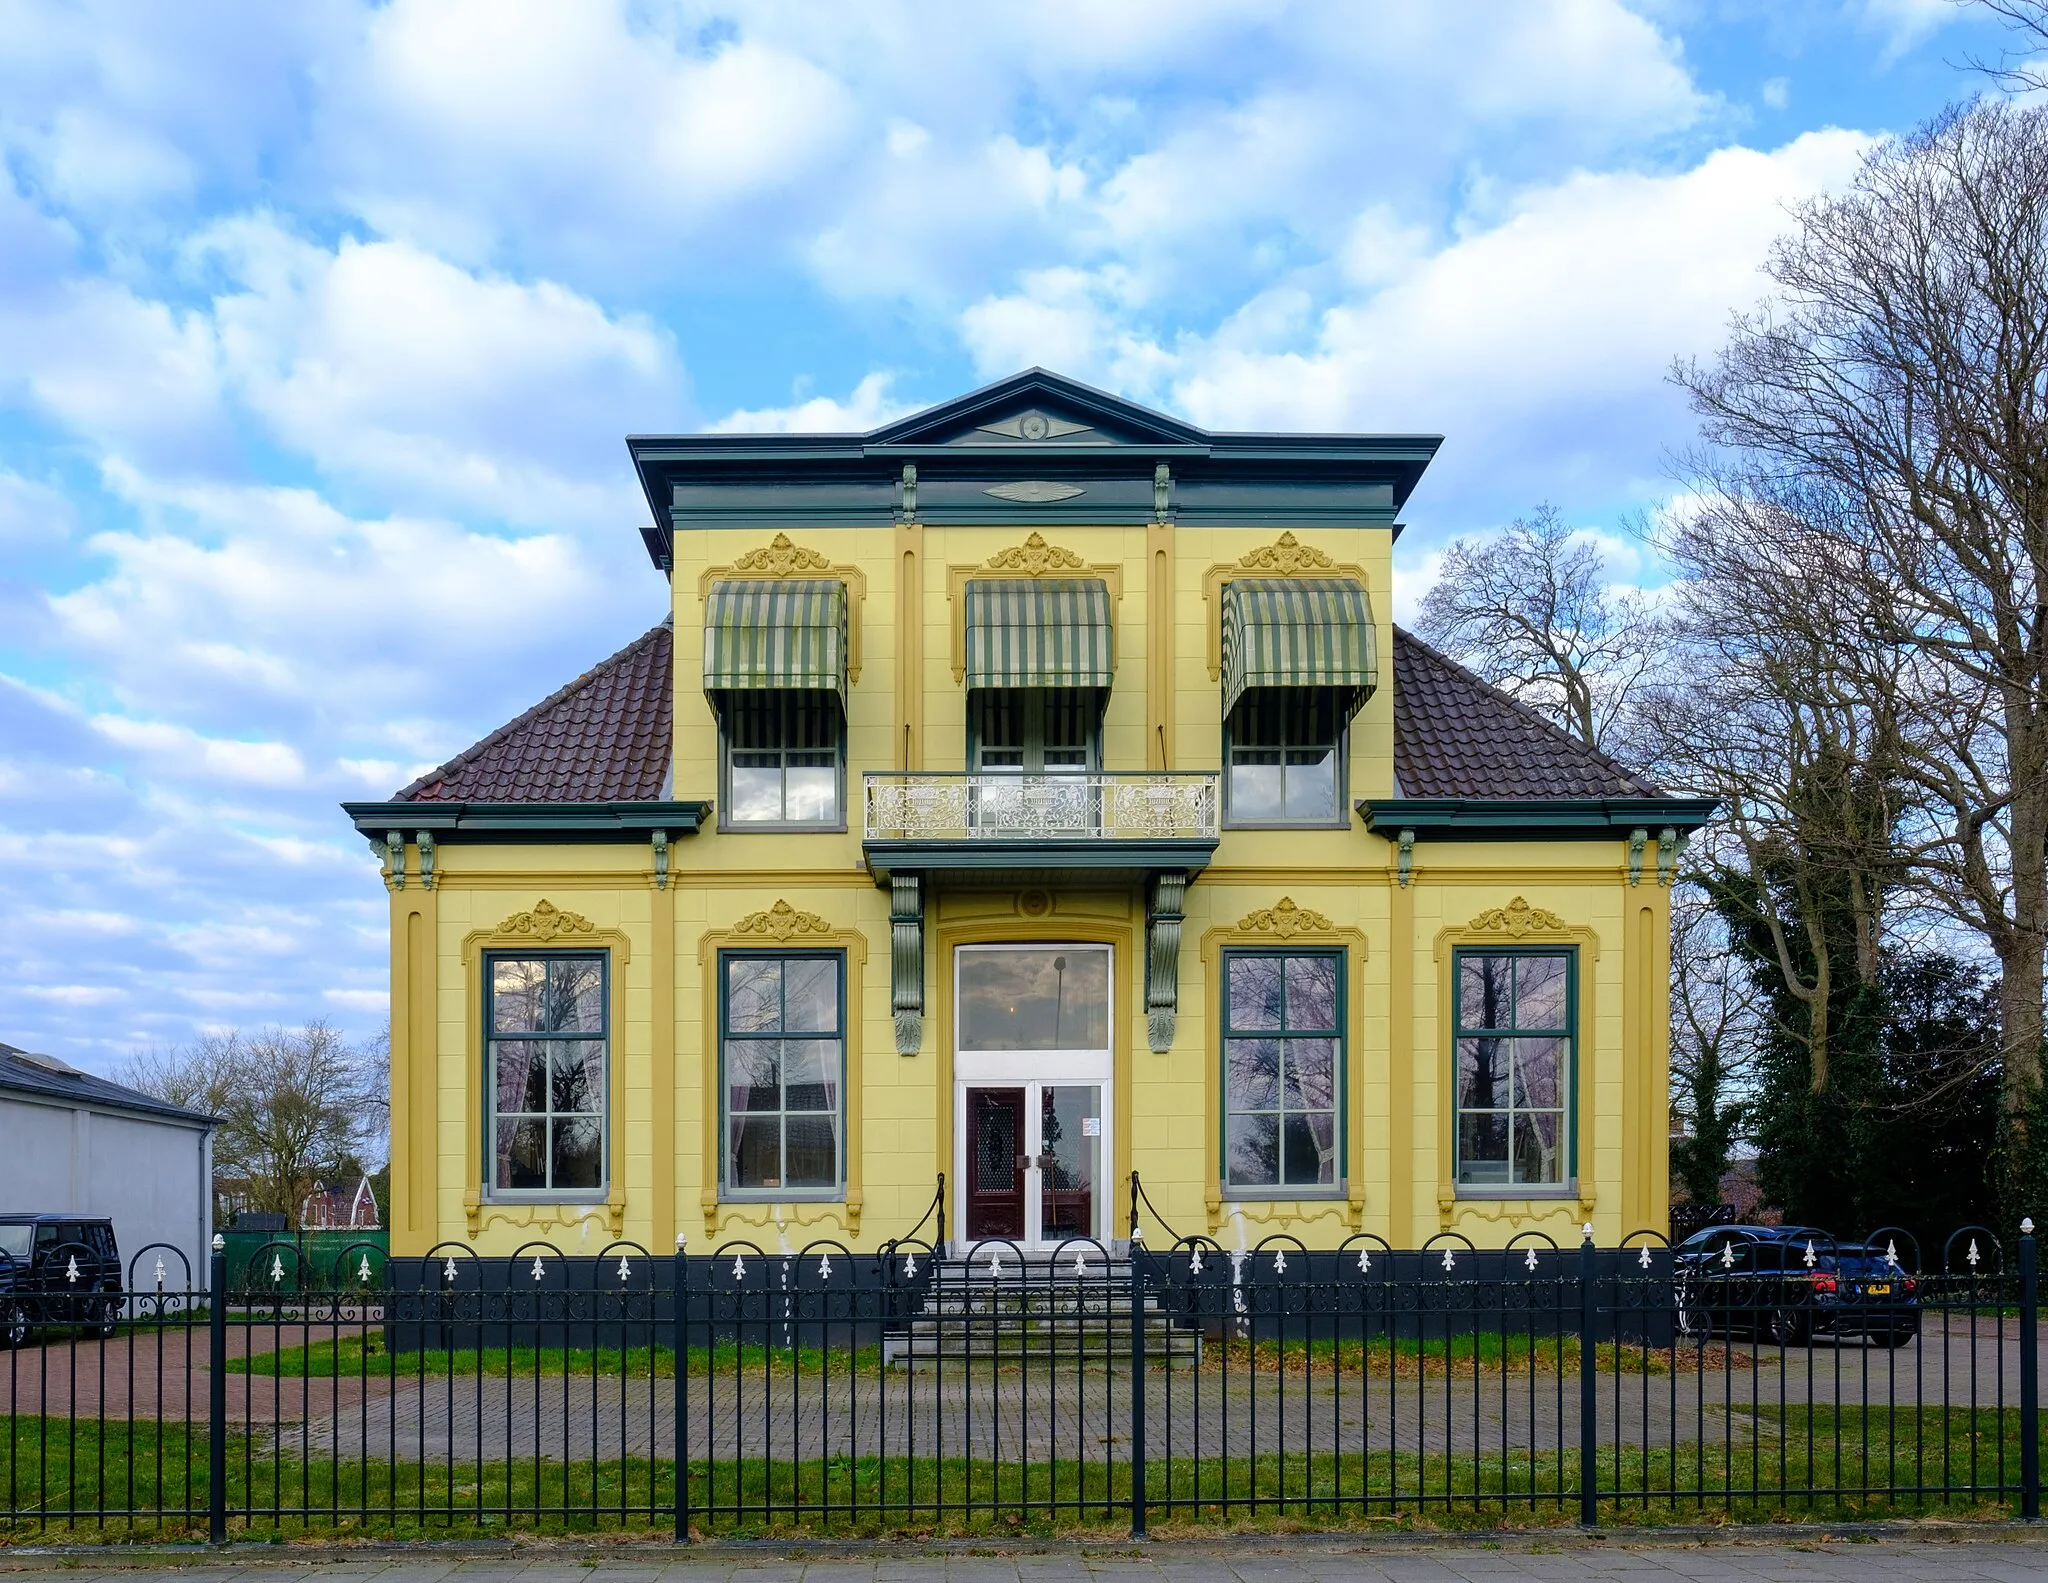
(72,1143)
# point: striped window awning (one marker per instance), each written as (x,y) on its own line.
(1039,632)
(762,635)
(1298,632)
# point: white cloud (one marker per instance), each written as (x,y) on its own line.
(868,407)
(184,751)
(382,362)
(584,123)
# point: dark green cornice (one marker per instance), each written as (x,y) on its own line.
(1113,462)
(1534,818)
(1081,859)
(569,823)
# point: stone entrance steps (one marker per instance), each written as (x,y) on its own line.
(1038,1314)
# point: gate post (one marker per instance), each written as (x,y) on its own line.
(679,1342)
(217,1394)
(2030,1377)
(1589,1382)
(1137,1383)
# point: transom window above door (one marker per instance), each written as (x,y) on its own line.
(1037,730)
(1033,997)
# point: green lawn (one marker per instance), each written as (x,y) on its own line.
(86,1479)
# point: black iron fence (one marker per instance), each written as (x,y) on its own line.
(754,1389)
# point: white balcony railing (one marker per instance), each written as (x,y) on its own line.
(993,806)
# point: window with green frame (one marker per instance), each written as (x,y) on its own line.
(782,1059)
(545,1047)
(1514,1047)
(1283,1069)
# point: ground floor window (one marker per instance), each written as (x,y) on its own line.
(1513,1051)
(782,1052)
(1283,1064)
(545,1049)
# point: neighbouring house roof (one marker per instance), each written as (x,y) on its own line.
(602,738)
(605,737)
(1455,736)
(45,1077)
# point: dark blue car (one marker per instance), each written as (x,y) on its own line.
(57,1269)
(1789,1284)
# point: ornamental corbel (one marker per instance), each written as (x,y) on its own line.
(426,842)
(907,511)
(1162,493)
(1162,966)
(394,859)
(661,860)
(1637,840)
(906,961)
(1404,860)
(1667,856)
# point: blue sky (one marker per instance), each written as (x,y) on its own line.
(321,325)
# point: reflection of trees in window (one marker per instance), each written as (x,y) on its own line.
(784,1054)
(1282,1050)
(1512,1058)
(546,1072)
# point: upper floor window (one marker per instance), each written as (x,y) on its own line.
(1513,1054)
(782,758)
(1284,750)
(1283,1065)
(545,1048)
(1036,730)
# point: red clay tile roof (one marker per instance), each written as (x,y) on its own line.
(605,738)
(1454,736)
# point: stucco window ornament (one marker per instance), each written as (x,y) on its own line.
(1285,920)
(1035,558)
(782,922)
(782,558)
(1285,554)
(546,922)
(1517,919)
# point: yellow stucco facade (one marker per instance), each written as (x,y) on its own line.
(661,922)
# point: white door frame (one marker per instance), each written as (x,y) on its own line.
(1033,1071)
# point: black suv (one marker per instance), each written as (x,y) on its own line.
(57,1270)
(1789,1284)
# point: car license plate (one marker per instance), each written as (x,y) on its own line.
(1878,1289)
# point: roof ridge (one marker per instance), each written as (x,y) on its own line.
(560,695)
(1586,749)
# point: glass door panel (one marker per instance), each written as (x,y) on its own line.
(1069,1154)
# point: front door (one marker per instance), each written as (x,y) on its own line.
(1032,1109)
(996,1149)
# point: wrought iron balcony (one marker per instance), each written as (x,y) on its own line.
(995,807)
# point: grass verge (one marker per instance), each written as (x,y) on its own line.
(150,1481)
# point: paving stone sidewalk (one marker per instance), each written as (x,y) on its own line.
(2004,1558)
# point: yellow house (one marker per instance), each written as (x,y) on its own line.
(1028,793)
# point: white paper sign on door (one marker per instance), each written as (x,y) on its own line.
(1091,1126)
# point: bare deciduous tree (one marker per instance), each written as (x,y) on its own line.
(1902,369)
(295,1104)
(1715,1021)
(1531,610)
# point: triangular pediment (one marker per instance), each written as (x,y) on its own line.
(1037,408)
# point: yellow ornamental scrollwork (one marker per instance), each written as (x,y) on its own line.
(546,922)
(781,922)
(781,558)
(1035,558)
(1286,554)
(1517,919)
(1284,920)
